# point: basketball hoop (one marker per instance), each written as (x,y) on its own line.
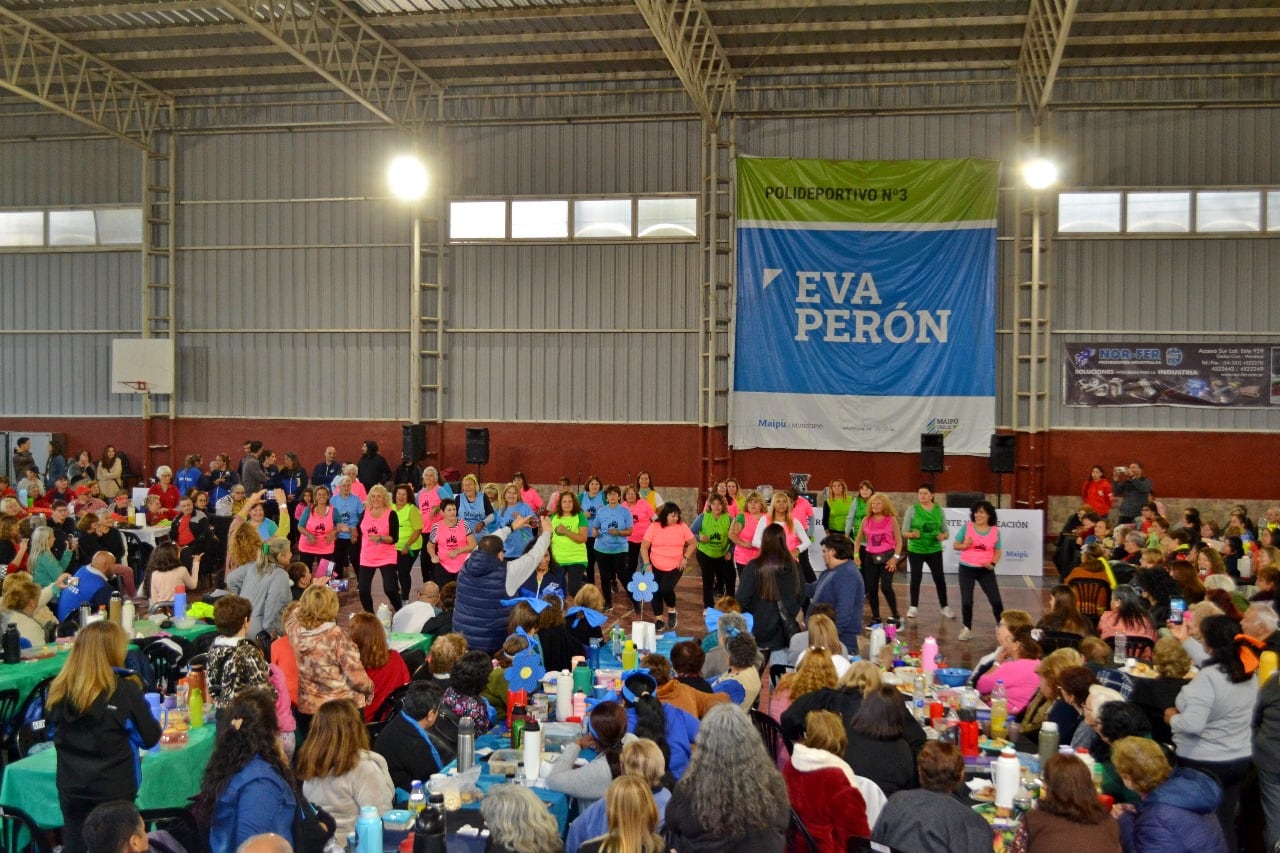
(139,386)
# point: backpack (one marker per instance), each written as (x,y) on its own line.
(31,732)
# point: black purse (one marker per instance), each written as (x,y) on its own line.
(312,826)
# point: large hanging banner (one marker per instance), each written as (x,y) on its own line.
(866,304)
(1185,373)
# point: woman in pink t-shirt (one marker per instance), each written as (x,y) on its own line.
(528,494)
(668,546)
(449,544)
(641,517)
(743,529)
(878,548)
(379,531)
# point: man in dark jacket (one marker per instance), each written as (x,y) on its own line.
(487,578)
(408,472)
(840,586)
(22,458)
(373,469)
(409,743)
(1132,491)
(325,471)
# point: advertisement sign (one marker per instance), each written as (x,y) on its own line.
(1218,375)
(1021,538)
(865,304)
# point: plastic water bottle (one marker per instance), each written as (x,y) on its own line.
(128,613)
(918,691)
(196,708)
(466,744)
(617,637)
(1122,648)
(628,655)
(999,710)
(384,616)
(179,602)
(369,830)
(929,657)
(417,797)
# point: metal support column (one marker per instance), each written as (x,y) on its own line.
(1029,352)
(159,209)
(716,238)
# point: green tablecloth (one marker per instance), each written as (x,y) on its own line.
(169,778)
(417,642)
(26,675)
(149,628)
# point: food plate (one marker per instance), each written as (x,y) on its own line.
(984,795)
(993,745)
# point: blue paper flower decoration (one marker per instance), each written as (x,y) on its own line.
(525,672)
(642,586)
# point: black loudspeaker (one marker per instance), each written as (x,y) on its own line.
(1002,453)
(963,500)
(413,441)
(931,452)
(477,446)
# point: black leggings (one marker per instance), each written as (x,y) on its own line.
(873,576)
(633,559)
(390,586)
(74,812)
(986,578)
(934,562)
(716,571)
(575,575)
(404,572)
(311,559)
(612,570)
(345,552)
(667,583)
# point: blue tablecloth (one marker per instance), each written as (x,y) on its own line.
(665,642)
(557,802)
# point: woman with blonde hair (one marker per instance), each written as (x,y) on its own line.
(99,720)
(384,666)
(822,786)
(1047,703)
(24,606)
(519,822)
(779,513)
(633,817)
(742,531)
(878,549)
(641,759)
(45,567)
(266,583)
(823,635)
(379,532)
(814,672)
(338,770)
(329,666)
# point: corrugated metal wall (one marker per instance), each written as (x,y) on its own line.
(293,268)
(1137,287)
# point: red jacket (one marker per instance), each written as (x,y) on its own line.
(832,809)
(1097,494)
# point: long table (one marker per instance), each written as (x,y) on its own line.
(169,779)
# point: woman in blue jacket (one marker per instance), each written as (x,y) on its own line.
(248,787)
(1178,811)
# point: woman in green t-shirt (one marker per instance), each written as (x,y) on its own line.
(569,541)
(712,532)
(835,509)
(925,529)
(857,512)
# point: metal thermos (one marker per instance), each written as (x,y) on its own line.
(466,744)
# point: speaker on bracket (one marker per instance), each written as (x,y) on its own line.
(413,441)
(1003,453)
(477,446)
(931,452)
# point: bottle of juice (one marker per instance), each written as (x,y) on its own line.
(999,710)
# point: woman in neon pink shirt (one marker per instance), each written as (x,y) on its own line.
(668,546)
(877,549)
(449,544)
(379,530)
(743,530)
(527,493)
(1017,660)
(641,517)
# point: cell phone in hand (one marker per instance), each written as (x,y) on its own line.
(1177,610)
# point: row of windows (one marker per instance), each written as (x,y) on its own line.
(1169,212)
(114,226)
(664,217)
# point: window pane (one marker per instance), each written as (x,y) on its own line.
(477,220)
(120,227)
(668,217)
(72,228)
(1273,211)
(1229,211)
(1151,213)
(533,220)
(22,228)
(1089,213)
(602,217)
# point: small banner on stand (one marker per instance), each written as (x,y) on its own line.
(1217,375)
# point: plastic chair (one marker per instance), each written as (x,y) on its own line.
(1141,648)
(19,833)
(387,710)
(771,733)
(1051,641)
(180,824)
(9,700)
(29,734)
(1093,597)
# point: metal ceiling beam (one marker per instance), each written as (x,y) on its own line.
(334,42)
(684,30)
(1043,43)
(166,7)
(41,67)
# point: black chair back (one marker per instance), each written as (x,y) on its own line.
(29,727)
(20,834)
(1051,641)
(387,710)
(799,839)
(1138,647)
(771,733)
(173,829)
(1093,597)
(9,700)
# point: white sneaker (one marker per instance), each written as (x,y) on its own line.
(911,612)
(948,612)
(965,634)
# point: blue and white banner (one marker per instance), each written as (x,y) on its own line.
(866,305)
